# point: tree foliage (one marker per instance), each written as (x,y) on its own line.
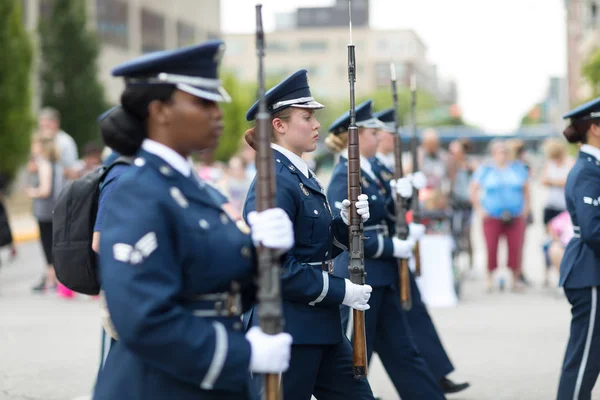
(234,116)
(69,72)
(591,72)
(16,120)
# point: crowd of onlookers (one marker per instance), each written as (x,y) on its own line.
(459,183)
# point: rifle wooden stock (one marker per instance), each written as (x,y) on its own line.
(415,198)
(355,227)
(269,292)
(405,295)
(401,204)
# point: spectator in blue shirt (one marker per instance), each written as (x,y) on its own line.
(499,191)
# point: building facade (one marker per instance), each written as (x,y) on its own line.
(583,38)
(323,52)
(129,28)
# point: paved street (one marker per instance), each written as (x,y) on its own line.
(509,346)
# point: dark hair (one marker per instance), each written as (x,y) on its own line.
(92,148)
(577,131)
(124,129)
(466,144)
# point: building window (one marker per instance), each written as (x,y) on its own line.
(313,46)
(276,47)
(322,16)
(382,44)
(112,22)
(186,34)
(153,32)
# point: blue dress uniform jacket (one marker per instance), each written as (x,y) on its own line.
(580,266)
(387,329)
(380,263)
(424,333)
(580,276)
(168,249)
(311,296)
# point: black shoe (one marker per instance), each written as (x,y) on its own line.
(450,387)
(40,287)
(524,280)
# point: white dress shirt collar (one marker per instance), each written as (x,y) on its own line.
(174,159)
(294,159)
(591,150)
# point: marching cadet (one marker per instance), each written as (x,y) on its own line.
(176,263)
(386,323)
(321,362)
(580,266)
(424,333)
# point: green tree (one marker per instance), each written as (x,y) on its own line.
(591,72)
(234,116)
(16,120)
(69,73)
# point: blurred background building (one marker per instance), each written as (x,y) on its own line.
(129,28)
(583,39)
(315,38)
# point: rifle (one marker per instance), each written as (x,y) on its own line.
(415,198)
(401,204)
(356,252)
(269,268)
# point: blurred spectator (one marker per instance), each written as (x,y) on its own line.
(554,176)
(6,237)
(237,183)
(45,185)
(517,155)
(499,192)
(561,230)
(209,170)
(92,159)
(460,200)
(434,162)
(249,156)
(49,125)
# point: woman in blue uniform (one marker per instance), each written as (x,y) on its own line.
(580,266)
(321,363)
(386,324)
(176,264)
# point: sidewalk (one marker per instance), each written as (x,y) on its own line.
(24,228)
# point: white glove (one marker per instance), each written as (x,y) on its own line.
(419,180)
(357,296)
(272,228)
(362,208)
(416,231)
(403,248)
(270,354)
(403,187)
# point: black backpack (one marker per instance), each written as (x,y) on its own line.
(73,222)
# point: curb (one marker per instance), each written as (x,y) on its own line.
(26,236)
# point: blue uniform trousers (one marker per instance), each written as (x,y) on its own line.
(425,336)
(582,359)
(388,334)
(324,371)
